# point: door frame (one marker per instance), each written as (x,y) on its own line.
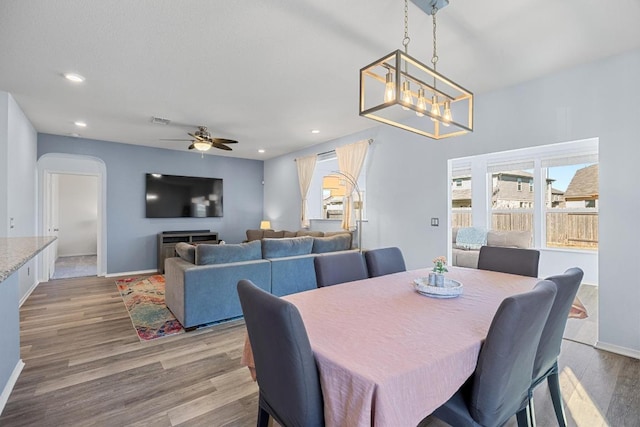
(62,163)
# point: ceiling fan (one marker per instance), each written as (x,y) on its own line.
(203,141)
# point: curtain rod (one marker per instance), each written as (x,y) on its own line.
(370,141)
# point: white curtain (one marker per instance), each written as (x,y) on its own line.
(350,160)
(305,165)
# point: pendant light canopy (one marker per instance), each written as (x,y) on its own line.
(401,91)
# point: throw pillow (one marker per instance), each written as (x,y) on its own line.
(471,237)
(338,242)
(222,254)
(254,235)
(288,246)
(186,251)
(309,233)
(271,234)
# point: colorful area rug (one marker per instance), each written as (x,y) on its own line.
(144,299)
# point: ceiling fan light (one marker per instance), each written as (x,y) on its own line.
(202,145)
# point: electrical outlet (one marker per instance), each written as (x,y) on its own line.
(435,222)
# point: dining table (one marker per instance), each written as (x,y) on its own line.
(388,355)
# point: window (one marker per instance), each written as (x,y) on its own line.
(511,208)
(571,214)
(561,207)
(461,198)
(327,189)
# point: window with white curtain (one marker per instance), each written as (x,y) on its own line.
(327,189)
(551,191)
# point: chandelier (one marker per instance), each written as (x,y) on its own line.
(401,91)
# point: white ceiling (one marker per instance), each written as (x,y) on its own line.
(267,72)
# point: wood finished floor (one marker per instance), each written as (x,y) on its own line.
(85,366)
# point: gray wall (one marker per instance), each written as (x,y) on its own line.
(131,238)
(407,179)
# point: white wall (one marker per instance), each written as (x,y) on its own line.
(78,215)
(4,164)
(21,183)
(407,179)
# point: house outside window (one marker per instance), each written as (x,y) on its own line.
(530,185)
(519,184)
(461,186)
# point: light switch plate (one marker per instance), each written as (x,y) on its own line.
(435,222)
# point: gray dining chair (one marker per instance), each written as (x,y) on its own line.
(499,387)
(383,261)
(286,371)
(332,269)
(523,262)
(546,361)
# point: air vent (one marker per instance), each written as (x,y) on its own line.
(160,121)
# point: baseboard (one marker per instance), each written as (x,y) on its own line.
(629,352)
(131,273)
(8,388)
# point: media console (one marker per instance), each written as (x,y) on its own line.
(167,241)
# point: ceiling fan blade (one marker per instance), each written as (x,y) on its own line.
(224,141)
(191,147)
(220,146)
(194,136)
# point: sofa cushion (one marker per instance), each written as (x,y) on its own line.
(186,251)
(309,233)
(271,234)
(222,254)
(254,235)
(338,242)
(288,246)
(471,238)
(509,239)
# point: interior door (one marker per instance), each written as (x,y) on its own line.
(51,203)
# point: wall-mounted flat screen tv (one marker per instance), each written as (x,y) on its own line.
(171,196)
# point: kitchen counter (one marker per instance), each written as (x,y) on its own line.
(16,251)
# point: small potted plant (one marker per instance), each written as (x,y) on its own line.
(439,268)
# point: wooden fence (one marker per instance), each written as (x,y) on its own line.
(577,230)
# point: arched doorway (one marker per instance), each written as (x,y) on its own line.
(50,166)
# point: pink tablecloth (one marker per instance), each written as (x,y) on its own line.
(389,356)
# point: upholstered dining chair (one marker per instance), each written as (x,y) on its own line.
(523,262)
(332,269)
(285,366)
(499,387)
(546,362)
(384,261)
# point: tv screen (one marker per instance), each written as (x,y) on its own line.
(171,196)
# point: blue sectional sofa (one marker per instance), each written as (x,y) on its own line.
(201,282)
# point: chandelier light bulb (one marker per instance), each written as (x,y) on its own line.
(446,116)
(435,108)
(421,104)
(406,94)
(389,89)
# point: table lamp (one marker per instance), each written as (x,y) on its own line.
(265,225)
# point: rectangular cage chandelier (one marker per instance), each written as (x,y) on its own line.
(401,91)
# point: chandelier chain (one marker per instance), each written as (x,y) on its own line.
(406,39)
(434,58)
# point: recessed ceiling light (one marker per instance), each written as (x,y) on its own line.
(73,77)
(315,131)
(80,124)
(261,150)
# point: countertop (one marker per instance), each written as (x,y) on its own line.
(16,251)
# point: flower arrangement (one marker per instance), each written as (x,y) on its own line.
(440,265)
